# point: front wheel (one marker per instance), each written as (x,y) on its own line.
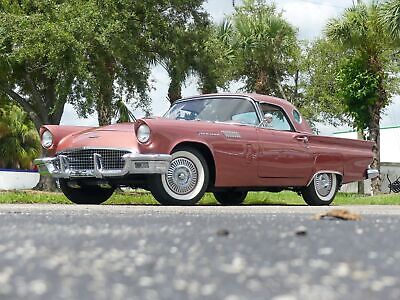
(230,197)
(85,194)
(322,189)
(185,181)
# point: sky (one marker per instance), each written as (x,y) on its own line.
(308,16)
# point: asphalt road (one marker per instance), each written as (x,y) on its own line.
(231,253)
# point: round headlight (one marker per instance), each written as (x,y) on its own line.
(47,139)
(143,133)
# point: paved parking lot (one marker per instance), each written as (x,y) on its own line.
(199,252)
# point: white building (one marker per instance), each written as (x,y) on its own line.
(390,157)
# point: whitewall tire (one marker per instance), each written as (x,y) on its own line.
(322,189)
(185,181)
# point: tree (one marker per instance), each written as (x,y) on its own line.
(19,141)
(38,61)
(89,53)
(215,61)
(317,92)
(203,49)
(364,78)
(177,57)
(390,17)
(122,39)
(182,53)
(266,48)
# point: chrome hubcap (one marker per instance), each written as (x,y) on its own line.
(182,176)
(323,184)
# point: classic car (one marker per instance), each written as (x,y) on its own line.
(227,144)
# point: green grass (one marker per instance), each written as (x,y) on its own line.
(144,198)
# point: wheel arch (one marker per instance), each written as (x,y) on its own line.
(338,175)
(208,155)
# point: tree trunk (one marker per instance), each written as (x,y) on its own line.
(208,83)
(46,183)
(361,189)
(175,86)
(104,102)
(374,135)
(280,87)
(374,122)
(208,87)
(261,85)
(104,108)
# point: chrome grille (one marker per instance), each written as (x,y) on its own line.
(82,159)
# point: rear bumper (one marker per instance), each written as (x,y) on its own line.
(372,173)
(134,163)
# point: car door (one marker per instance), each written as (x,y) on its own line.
(235,143)
(283,153)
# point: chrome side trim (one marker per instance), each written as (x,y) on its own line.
(372,173)
(134,163)
(323,171)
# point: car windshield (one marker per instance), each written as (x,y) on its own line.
(233,110)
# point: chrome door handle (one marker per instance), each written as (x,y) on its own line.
(302,138)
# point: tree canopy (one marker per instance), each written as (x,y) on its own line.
(266,48)
(390,17)
(89,53)
(39,59)
(364,79)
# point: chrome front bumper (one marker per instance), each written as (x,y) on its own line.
(372,173)
(134,163)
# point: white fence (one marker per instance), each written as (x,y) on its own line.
(18,179)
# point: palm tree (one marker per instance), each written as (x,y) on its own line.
(19,141)
(215,57)
(390,17)
(363,39)
(266,48)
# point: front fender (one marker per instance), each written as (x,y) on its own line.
(59,132)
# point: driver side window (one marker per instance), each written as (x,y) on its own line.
(275,118)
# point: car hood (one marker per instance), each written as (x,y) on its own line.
(117,136)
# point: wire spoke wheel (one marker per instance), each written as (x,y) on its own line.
(323,184)
(182,176)
(186,180)
(322,189)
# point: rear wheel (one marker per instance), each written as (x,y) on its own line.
(322,189)
(85,194)
(230,197)
(185,181)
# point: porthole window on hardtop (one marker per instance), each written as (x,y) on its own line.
(297,116)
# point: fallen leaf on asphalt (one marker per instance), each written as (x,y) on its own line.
(301,231)
(223,232)
(342,214)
